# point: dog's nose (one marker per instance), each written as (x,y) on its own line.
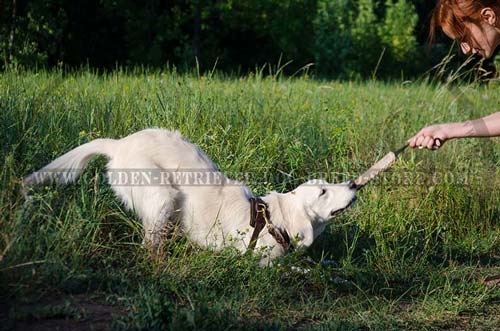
(352,185)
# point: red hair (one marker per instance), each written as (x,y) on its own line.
(452,14)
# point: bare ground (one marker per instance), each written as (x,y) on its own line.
(75,313)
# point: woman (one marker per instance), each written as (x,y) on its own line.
(475,24)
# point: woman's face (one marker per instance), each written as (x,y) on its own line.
(484,39)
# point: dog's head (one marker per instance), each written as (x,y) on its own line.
(323,201)
(307,210)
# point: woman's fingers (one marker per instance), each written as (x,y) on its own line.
(429,142)
(419,141)
(425,141)
(431,137)
(413,141)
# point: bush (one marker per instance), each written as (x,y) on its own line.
(334,44)
(368,46)
(36,34)
(397,30)
(397,33)
(350,39)
(345,38)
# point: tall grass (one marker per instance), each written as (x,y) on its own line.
(412,251)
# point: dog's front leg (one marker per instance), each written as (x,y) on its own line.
(268,258)
(305,237)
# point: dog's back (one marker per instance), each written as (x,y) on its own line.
(164,148)
(143,152)
(147,149)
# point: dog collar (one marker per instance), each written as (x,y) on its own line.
(260,217)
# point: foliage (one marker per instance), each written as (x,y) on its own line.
(355,40)
(367,41)
(36,34)
(397,30)
(345,38)
(333,39)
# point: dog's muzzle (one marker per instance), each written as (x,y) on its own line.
(338,211)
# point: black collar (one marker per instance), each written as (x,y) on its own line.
(260,217)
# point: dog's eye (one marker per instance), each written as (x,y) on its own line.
(323,192)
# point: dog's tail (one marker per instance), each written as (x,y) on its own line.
(66,168)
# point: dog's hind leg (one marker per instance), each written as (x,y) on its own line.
(154,204)
(155,220)
(156,230)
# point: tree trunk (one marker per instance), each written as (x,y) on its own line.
(12,31)
(197,31)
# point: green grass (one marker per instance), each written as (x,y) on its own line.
(413,249)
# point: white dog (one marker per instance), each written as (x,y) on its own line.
(164,178)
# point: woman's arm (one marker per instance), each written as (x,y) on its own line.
(488,126)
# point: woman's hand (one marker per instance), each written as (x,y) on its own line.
(431,137)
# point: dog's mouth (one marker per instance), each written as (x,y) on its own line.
(338,211)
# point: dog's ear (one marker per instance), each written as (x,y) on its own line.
(316,182)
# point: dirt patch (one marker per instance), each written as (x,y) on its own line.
(73,313)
